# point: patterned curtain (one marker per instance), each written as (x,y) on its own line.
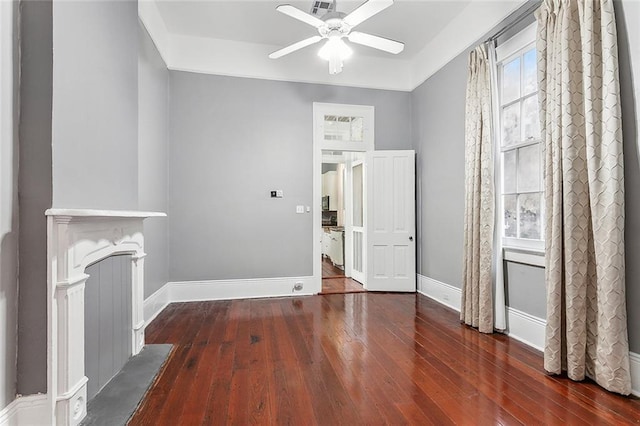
(477,304)
(586,331)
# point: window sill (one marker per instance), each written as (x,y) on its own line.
(525,256)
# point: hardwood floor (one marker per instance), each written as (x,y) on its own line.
(330,271)
(341,286)
(356,359)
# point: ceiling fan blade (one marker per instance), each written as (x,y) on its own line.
(296,13)
(376,42)
(366,11)
(295,46)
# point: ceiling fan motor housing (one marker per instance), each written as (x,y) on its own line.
(334,25)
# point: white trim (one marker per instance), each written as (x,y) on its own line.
(366,111)
(526,328)
(634,363)
(26,410)
(76,239)
(442,293)
(241,59)
(156,303)
(528,257)
(192,291)
(518,42)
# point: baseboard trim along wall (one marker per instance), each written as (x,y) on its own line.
(526,328)
(193,291)
(442,293)
(26,410)
(521,326)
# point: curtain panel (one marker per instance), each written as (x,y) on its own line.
(477,303)
(586,332)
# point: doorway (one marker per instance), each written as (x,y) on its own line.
(379,245)
(342,208)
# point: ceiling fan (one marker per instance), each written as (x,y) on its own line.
(334,26)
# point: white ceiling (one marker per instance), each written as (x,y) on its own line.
(412,22)
(235,38)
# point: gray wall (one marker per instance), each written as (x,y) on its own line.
(89,147)
(9,224)
(107,316)
(232,140)
(95,108)
(153,115)
(35,191)
(438,138)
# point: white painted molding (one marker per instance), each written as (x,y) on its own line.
(442,293)
(242,59)
(76,239)
(190,291)
(155,303)
(634,360)
(478,18)
(195,291)
(152,20)
(26,410)
(526,328)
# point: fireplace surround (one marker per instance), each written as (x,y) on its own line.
(77,238)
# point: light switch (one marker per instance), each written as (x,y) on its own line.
(279,193)
(299,209)
(308,209)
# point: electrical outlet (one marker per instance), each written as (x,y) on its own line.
(298,286)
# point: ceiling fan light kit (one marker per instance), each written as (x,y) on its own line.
(334,26)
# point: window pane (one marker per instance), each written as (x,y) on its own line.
(509,204)
(358,194)
(509,169)
(341,128)
(530,118)
(529,168)
(529,216)
(511,125)
(511,81)
(530,71)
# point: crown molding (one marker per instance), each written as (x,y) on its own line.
(242,59)
(474,22)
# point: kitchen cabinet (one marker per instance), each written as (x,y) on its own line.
(333,245)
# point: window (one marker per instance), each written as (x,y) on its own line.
(341,127)
(520,143)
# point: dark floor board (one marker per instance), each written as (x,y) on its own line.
(360,358)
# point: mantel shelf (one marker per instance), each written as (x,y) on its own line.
(103,213)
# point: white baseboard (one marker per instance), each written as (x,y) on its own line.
(526,328)
(26,410)
(634,360)
(191,291)
(442,293)
(155,303)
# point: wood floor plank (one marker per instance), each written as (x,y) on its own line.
(360,358)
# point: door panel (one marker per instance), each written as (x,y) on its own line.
(390,214)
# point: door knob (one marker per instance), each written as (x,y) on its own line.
(410,238)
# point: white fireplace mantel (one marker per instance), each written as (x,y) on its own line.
(77,238)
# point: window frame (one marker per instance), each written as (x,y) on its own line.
(512,48)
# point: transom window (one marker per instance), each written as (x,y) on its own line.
(520,144)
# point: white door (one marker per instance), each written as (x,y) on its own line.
(356,222)
(390,212)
